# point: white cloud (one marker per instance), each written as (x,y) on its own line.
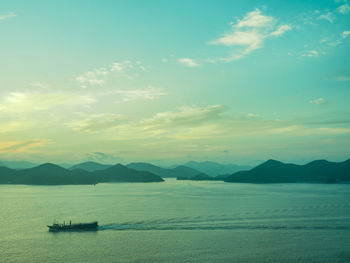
(21,102)
(342,78)
(311,53)
(255,19)
(318,101)
(345,34)
(149,93)
(186,116)
(250,34)
(328,17)
(9,15)
(95,77)
(122,66)
(99,76)
(281,30)
(22,146)
(344,9)
(188,62)
(98,122)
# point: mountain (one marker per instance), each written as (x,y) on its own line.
(90,166)
(164,172)
(51,174)
(121,173)
(214,169)
(17,164)
(272,171)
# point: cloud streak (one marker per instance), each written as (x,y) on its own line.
(6,16)
(188,62)
(22,102)
(250,33)
(22,146)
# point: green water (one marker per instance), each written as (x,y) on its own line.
(177,221)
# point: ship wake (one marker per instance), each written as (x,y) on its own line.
(225,222)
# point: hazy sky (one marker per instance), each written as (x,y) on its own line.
(171,81)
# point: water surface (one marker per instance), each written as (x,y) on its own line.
(177,221)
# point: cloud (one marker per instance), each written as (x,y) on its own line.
(345,34)
(98,122)
(22,102)
(342,78)
(149,93)
(344,9)
(281,30)
(250,33)
(160,123)
(9,15)
(188,62)
(255,19)
(121,66)
(22,146)
(185,116)
(10,127)
(318,101)
(99,76)
(95,77)
(311,53)
(102,157)
(328,17)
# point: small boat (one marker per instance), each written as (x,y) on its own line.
(73,227)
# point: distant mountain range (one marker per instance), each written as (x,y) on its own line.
(180,170)
(272,171)
(215,169)
(17,164)
(90,166)
(51,174)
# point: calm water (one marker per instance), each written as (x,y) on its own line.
(177,221)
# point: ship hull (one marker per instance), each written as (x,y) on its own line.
(74,227)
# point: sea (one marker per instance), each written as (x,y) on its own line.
(177,221)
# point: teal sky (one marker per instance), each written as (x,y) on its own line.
(172,81)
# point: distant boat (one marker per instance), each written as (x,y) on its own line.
(73,227)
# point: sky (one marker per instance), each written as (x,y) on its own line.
(173,81)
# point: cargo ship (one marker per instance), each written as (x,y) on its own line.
(73,227)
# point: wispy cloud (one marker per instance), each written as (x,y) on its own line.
(311,53)
(342,78)
(188,62)
(98,122)
(344,9)
(345,34)
(99,76)
(149,93)
(94,77)
(22,146)
(21,102)
(281,30)
(318,101)
(250,33)
(102,157)
(10,127)
(9,15)
(327,16)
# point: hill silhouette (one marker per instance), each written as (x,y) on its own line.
(181,170)
(17,164)
(90,166)
(272,171)
(214,169)
(51,174)
(121,173)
